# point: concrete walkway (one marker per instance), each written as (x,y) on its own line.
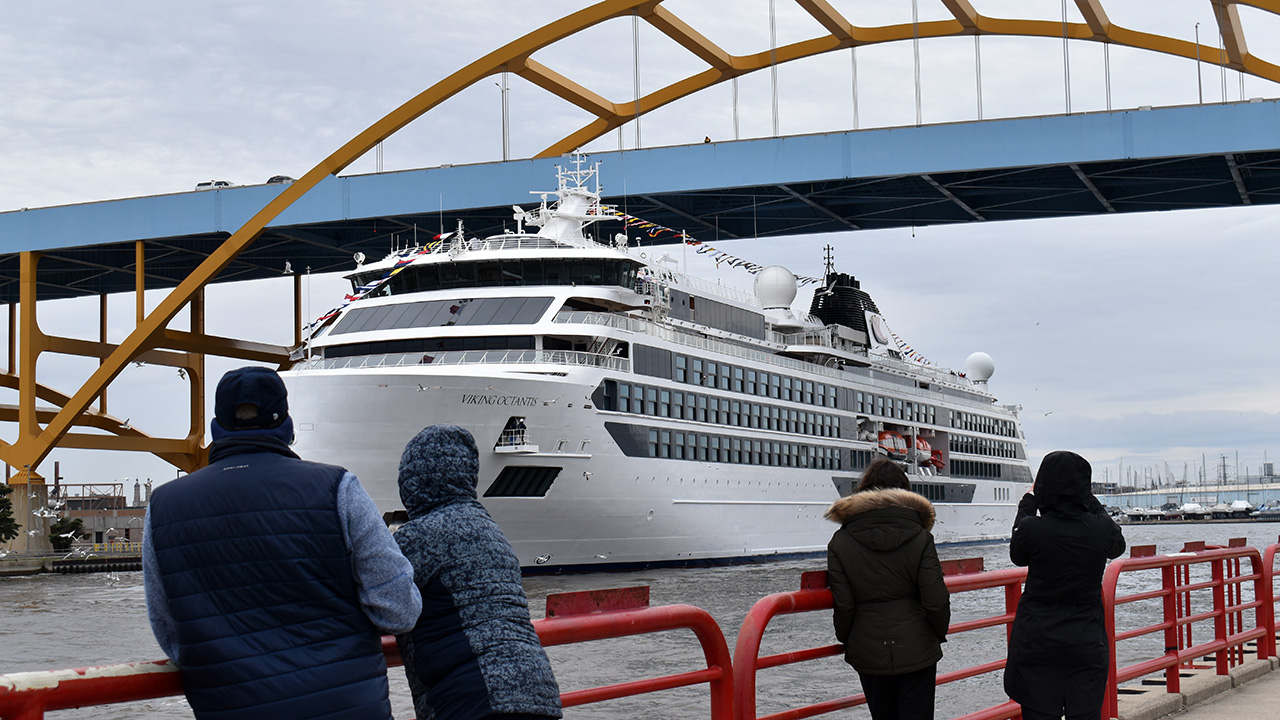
(1251,690)
(1254,700)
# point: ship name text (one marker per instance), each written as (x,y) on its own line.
(528,400)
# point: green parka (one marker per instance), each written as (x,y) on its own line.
(892,608)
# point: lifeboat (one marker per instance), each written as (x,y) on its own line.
(924,452)
(892,444)
(935,459)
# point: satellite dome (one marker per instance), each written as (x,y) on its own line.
(979,367)
(776,287)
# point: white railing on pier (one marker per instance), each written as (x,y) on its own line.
(470,357)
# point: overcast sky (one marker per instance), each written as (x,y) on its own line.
(1134,339)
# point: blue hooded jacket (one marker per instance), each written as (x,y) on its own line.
(474,652)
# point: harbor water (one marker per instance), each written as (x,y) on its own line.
(54,621)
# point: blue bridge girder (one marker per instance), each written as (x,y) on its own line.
(1199,156)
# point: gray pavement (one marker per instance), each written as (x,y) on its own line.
(1251,690)
(1254,700)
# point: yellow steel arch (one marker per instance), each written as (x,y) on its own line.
(41,430)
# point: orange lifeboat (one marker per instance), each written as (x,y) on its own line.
(935,459)
(893,444)
(923,451)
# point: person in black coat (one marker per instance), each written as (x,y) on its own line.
(892,607)
(1058,652)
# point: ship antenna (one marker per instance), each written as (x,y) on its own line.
(829,260)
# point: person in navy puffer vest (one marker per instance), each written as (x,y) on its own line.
(474,653)
(269,579)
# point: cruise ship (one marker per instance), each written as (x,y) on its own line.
(628,415)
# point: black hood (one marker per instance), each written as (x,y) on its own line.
(1064,483)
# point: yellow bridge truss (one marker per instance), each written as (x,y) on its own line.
(41,429)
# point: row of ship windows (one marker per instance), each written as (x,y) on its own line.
(509,272)
(932,491)
(982,446)
(981,423)
(696,371)
(715,448)
(975,469)
(659,402)
(872,404)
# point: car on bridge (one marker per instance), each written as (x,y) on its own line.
(213,185)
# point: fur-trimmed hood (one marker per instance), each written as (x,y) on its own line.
(842,510)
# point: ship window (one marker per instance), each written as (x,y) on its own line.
(737,379)
(751,382)
(681,365)
(653,443)
(374,318)
(664,403)
(624,397)
(523,481)
(505,310)
(677,447)
(677,405)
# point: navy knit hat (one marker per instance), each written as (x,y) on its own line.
(258,387)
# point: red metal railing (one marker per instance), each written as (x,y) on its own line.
(582,617)
(961,576)
(585,616)
(1227,611)
(571,618)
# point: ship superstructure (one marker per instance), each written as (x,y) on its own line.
(630,415)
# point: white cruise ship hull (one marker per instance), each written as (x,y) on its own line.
(604,510)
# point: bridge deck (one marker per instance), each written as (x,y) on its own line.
(1197,156)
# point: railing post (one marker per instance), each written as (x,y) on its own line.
(33,710)
(1169,583)
(1111,701)
(1266,595)
(1219,614)
(1012,595)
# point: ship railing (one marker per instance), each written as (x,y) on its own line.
(1199,586)
(646,327)
(710,288)
(814,596)
(469,357)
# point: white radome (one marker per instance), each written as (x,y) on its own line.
(979,367)
(776,287)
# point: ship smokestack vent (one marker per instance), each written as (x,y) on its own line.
(842,302)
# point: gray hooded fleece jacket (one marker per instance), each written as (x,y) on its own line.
(474,652)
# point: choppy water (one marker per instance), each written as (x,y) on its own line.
(63,621)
